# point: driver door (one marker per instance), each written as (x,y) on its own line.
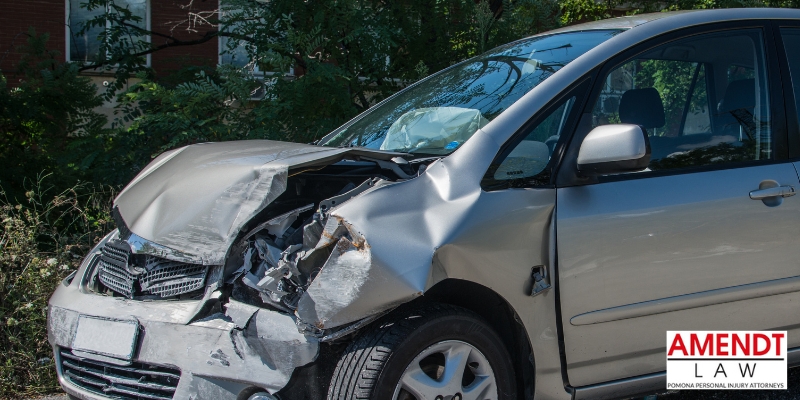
(687,244)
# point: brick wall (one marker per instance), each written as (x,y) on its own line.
(15,19)
(164,15)
(49,16)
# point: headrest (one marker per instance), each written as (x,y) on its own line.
(642,107)
(740,94)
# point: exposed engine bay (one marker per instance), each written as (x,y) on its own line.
(275,262)
(277,256)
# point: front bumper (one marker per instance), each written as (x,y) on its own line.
(219,357)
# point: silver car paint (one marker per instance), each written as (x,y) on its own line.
(612,143)
(642,256)
(194,200)
(421,231)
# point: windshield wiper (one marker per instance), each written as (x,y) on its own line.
(422,150)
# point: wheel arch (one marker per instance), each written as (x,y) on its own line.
(486,303)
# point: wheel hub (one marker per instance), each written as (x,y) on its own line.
(448,370)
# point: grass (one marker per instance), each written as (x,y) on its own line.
(43,238)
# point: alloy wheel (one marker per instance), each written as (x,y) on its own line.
(448,370)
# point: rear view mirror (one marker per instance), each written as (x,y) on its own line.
(614,149)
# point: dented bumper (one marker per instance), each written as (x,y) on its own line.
(220,357)
(337,247)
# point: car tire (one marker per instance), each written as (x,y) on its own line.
(425,340)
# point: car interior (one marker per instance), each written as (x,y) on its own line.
(718,100)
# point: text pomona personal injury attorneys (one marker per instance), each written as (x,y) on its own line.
(726,360)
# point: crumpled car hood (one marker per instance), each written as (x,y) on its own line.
(193,201)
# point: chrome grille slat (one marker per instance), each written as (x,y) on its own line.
(113,266)
(169,278)
(103,374)
(123,390)
(178,286)
(115,279)
(69,355)
(102,388)
(135,382)
(160,277)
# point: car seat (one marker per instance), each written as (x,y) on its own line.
(735,111)
(644,107)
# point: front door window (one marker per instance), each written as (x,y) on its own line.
(702,100)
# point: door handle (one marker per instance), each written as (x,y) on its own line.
(778,191)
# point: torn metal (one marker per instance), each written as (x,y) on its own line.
(245,344)
(295,245)
(312,270)
(193,202)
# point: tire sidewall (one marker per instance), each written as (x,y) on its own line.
(456,327)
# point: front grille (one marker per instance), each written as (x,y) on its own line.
(135,382)
(113,266)
(169,278)
(158,276)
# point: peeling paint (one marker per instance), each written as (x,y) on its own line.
(337,285)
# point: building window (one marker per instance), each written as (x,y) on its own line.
(84,46)
(235,52)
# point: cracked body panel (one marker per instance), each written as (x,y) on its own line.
(262,354)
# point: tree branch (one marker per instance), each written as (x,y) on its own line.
(173,43)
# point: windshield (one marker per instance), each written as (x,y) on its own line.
(440,113)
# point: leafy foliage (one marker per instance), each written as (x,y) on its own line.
(42,240)
(590,10)
(203,109)
(325,62)
(44,114)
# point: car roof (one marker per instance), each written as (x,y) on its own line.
(636,29)
(719,15)
(626,22)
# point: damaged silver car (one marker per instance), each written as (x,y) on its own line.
(527,223)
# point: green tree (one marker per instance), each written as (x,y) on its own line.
(346,54)
(46,116)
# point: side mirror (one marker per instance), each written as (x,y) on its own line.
(614,149)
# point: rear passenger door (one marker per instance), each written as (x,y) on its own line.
(691,243)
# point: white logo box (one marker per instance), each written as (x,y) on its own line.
(726,360)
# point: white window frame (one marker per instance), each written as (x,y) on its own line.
(221,47)
(257,72)
(68,28)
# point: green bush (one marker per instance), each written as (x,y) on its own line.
(46,118)
(42,240)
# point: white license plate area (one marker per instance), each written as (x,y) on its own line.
(107,337)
